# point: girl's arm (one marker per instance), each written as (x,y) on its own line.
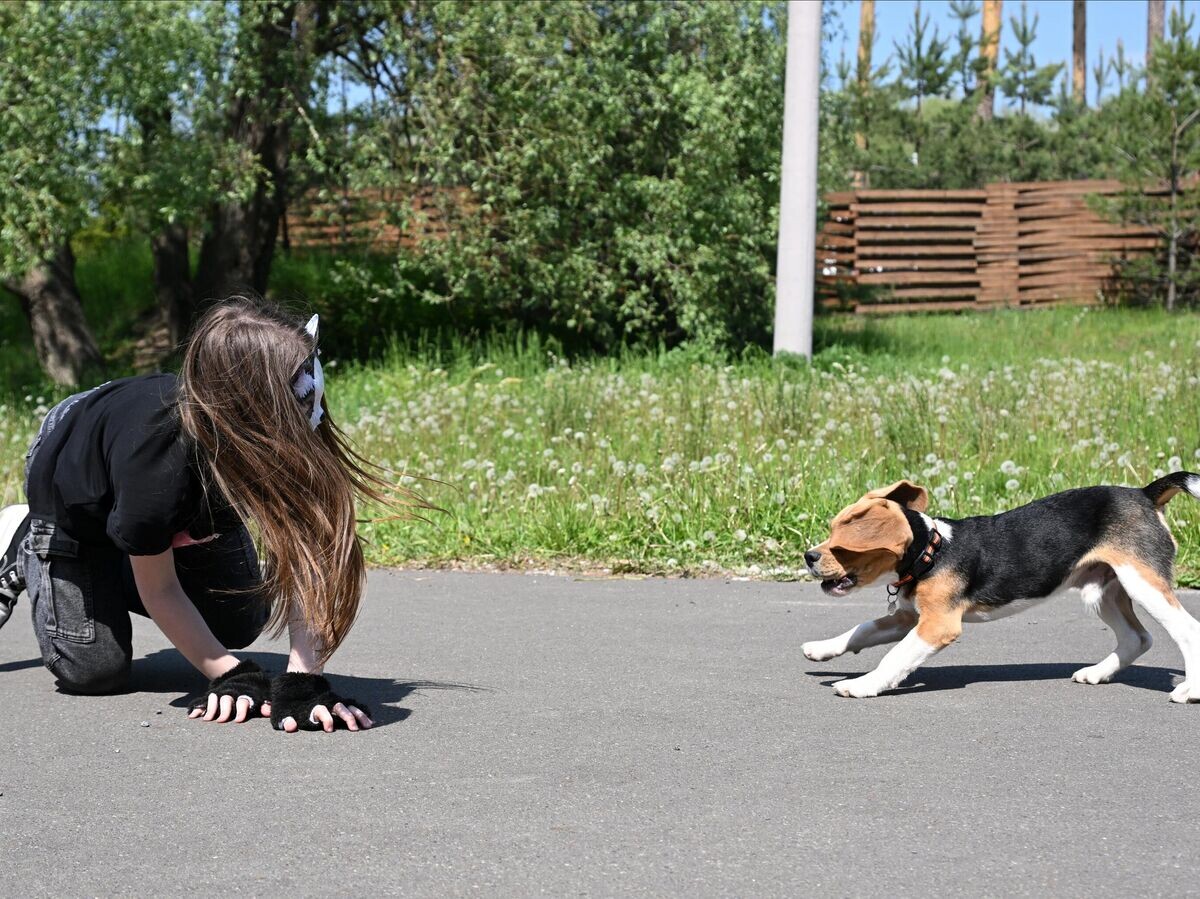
(172,610)
(169,606)
(303,660)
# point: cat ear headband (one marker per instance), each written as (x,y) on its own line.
(309,383)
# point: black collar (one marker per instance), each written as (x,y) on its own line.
(919,559)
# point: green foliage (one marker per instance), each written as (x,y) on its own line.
(1157,155)
(608,171)
(1021,78)
(49,126)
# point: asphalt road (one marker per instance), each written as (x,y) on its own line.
(547,735)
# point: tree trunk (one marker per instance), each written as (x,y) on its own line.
(239,244)
(1155,23)
(989,51)
(1173,217)
(49,297)
(866,40)
(173,280)
(1079,54)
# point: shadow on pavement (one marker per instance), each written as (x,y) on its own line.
(955,677)
(21,664)
(166,671)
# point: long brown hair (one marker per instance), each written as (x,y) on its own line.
(296,486)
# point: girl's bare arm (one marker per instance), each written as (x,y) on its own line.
(173,612)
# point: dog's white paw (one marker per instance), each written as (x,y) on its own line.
(1094,674)
(1188,691)
(823,650)
(859,687)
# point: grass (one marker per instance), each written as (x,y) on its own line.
(674,462)
(688,463)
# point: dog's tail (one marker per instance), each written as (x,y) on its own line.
(1161,491)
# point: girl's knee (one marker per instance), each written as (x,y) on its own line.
(91,676)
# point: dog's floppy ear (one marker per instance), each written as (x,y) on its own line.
(905,493)
(871,525)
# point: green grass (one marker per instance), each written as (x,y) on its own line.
(683,462)
(673,462)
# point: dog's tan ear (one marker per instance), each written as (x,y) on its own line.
(905,493)
(871,525)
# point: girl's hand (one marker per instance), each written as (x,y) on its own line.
(234,695)
(307,702)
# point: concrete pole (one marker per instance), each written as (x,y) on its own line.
(797,249)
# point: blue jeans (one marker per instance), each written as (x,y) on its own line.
(82,594)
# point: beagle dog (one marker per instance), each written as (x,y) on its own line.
(1111,544)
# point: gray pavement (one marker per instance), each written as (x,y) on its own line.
(546,735)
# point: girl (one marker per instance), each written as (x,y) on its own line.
(140,492)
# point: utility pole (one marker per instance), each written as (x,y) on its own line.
(797,250)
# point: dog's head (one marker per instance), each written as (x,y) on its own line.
(867,538)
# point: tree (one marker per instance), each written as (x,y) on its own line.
(1079,52)
(966,62)
(1155,19)
(1022,78)
(1100,72)
(923,66)
(1158,160)
(989,52)
(50,112)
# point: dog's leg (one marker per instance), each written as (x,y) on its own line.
(939,626)
(1133,640)
(887,629)
(1148,590)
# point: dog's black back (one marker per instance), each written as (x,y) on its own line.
(1030,552)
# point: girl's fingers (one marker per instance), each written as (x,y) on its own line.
(363,721)
(347,718)
(244,704)
(196,712)
(226,709)
(265,711)
(321,715)
(211,712)
(290,726)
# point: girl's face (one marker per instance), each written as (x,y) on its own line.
(309,383)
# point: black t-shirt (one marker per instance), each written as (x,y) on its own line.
(117,468)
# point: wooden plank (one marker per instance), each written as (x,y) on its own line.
(892,308)
(918,194)
(867,235)
(921,221)
(893,251)
(897,208)
(916,265)
(916,278)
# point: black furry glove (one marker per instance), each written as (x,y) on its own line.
(244,679)
(299,696)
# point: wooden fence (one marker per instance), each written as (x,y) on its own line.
(1005,244)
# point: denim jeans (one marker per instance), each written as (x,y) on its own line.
(82,594)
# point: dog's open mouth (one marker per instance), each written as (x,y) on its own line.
(839,586)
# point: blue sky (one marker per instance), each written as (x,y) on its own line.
(1107,22)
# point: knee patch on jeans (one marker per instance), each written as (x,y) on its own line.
(111,676)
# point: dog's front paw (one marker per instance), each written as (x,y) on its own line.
(823,650)
(859,687)
(1188,691)
(1094,674)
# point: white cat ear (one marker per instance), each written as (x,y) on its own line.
(311,327)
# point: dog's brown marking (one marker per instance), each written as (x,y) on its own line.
(906,493)
(865,539)
(1165,496)
(1113,556)
(938,599)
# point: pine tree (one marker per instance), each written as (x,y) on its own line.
(1158,146)
(1100,72)
(1021,78)
(965,62)
(923,65)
